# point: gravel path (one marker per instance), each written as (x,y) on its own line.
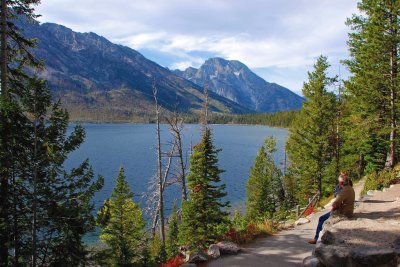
(285,248)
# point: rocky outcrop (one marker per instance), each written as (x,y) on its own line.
(337,255)
(371,238)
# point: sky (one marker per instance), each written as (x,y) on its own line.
(278,39)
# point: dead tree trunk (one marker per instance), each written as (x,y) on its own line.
(159,168)
(390,159)
(175,126)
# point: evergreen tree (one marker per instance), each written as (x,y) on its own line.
(14,57)
(203,213)
(172,244)
(372,90)
(264,188)
(122,225)
(311,143)
(54,208)
(157,252)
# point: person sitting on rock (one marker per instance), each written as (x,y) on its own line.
(343,204)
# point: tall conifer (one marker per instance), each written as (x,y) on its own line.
(311,143)
(122,225)
(172,244)
(264,187)
(203,213)
(372,90)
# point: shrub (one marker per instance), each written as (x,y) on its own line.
(380,180)
(174,262)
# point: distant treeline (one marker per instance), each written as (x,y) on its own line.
(279,119)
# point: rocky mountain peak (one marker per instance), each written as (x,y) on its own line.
(234,80)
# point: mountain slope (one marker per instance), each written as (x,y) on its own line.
(92,75)
(235,81)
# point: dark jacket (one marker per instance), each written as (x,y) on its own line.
(344,202)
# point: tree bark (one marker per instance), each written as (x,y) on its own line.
(390,159)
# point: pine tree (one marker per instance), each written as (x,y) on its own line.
(14,57)
(122,225)
(54,207)
(203,213)
(311,143)
(372,90)
(264,188)
(172,244)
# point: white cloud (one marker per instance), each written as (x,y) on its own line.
(263,34)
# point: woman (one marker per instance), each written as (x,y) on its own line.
(343,204)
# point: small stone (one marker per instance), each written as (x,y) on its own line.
(213,251)
(311,261)
(373,256)
(301,221)
(227,247)
(188,265)
(328,238)
(286,225)
(198,257)
(370,193)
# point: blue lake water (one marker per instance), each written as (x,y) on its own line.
(133,146)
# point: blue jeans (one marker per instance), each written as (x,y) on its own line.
(321,221)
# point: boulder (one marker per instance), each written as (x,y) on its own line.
(328,238)
(301,221)
(373,256)
(227,247)
(198,257)
(213,251)
(332,256)
(311,261)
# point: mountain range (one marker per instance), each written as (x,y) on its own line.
(99,80)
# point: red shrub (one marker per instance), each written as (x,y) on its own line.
(174,262)
(231,235)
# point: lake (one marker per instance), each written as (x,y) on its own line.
(133,146)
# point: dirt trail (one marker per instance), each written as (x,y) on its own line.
(285,248)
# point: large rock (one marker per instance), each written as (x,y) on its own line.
(227,247)
(198,257)
(328,238)
(373,256)
(213,251)
(311,261)
(332,256)
(301,221)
